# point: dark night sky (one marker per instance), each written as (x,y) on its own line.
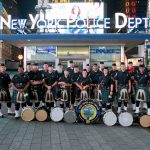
(26,6)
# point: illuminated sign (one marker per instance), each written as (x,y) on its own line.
(130,8)
(72,18)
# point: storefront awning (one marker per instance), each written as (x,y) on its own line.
(128,40)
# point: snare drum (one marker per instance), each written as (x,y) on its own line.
(56,114)
(109,118)
(145,121)
(125,119)
(41,114)
(28,114)
(70,116)
(88,111)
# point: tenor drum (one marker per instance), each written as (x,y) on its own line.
(88,111)
(56,114)
(109,118)
(125,119)
(145,121)
(70,116)
(41,114)
(28,114)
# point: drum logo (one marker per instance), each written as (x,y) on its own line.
(88,112)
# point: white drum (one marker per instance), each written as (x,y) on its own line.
(56,114)
(70,116)
(28,114)
(125,119)
(109,118)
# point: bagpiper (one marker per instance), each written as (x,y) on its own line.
(105,85)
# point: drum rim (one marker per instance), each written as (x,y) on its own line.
(147,121)
(32,110)
(42,117)
(119,117)
(51,114)
(74,116)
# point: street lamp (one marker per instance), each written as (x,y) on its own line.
(20,57)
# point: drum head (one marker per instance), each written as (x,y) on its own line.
(70,116)
(145,121)
(125,119)
(56,114)
(41,115)
(88,111)
(109,118)
(27,114)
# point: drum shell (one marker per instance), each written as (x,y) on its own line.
(70,116)
(110,118)
(41,114)
(145,121)
(125,119)
(57,114)
(28,114)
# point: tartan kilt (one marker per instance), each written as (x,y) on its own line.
(105,93)
(119,91)
(146,90)
(14,96)
(8,99)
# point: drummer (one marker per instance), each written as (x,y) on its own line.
(59,70)
(74,77)
(4,85)
(20,83)
(95,74)
(83,83)
(123,82)
(36,82)
(132,72)
(65,83)
(113,73)
(45,69)
(105,84)
(50,82)
(143,82)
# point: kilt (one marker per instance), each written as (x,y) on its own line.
(8,97)
(78,93)
(53,90)
(119,91)
(14,96)
(146,90)
(105,93)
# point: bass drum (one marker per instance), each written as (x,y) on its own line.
(125,119)
(70,116)
(88,111)
(110,118)
(56,114)
(145,121)
(28,114)
(41,114)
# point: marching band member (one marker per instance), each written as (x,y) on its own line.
(88,69)
(64,92)
(20,83)
(70,69)
(101,66)
(36,82)
(123,86)
(45,68)
(113,73)
(50,82)
(106,87)
(59,70)
(132,72)
(4,89)
(140,62)
(83,84)
(143,94)
(28,69)
(95,74)
(74,77)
